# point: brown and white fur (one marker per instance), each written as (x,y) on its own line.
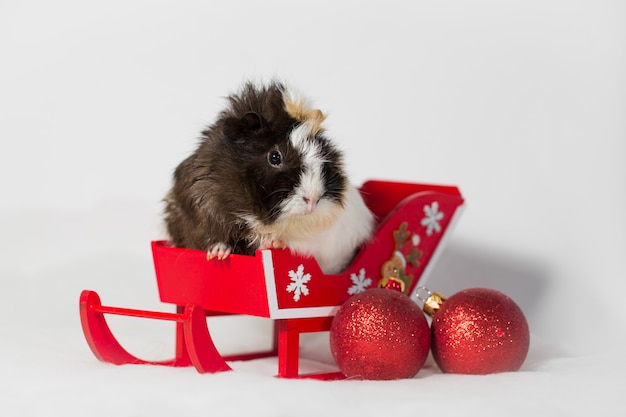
(264,175)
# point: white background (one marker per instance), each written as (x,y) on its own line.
(521,104)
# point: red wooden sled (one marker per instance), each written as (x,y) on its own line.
(414,220)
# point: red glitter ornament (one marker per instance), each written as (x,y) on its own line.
(477,331)
(379,334)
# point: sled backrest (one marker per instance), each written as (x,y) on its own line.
(383,196)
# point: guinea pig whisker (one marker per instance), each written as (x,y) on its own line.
(278,190)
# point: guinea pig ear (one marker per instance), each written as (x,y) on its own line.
(248,125)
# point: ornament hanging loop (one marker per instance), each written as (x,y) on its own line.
(422,293)
(432,300)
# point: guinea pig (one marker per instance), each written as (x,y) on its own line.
(264,175)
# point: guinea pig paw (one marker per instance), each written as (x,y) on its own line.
(275,244)
(219,251)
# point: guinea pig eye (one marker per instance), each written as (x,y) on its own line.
(275,158)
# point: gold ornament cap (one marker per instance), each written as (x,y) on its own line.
(432,300)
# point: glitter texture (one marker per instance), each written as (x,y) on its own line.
(479,331)
(379,334)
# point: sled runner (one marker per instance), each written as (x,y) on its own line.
(413,222)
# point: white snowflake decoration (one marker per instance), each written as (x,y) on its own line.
(298,285)
(360,282)
(432,218)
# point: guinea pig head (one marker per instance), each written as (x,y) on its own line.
(292,172)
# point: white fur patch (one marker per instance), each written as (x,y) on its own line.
(311,186)
(334,246)
(330,234)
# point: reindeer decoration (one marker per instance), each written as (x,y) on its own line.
(393,271)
